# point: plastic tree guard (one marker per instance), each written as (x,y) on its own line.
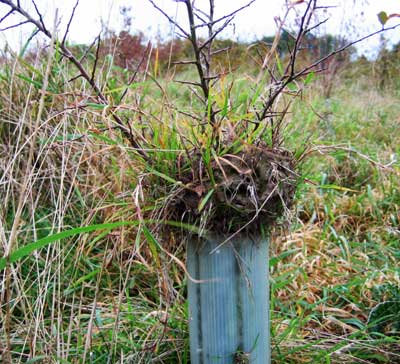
(229,309)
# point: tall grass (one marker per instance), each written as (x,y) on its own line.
(112,294)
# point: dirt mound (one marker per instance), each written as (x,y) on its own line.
(248,189)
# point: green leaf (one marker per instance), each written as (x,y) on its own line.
(103,138)
(256,95)
(30,67)
(355,322)
(339,188)
(204,201)
(224,111)
(209,105)
(26,45)
(309,78)
(279,64)
(385,315)
(383,17)
(273,261)
(66,137)
(95,106)
(182,225)
(30,248)
(292,86)
(72,287)
(37,359)
(162,175)
(154,245)
(37,84)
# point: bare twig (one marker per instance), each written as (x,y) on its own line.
(341,49)
(202,52)
(6,16)
(310,29)
(172,21)
(218,51)
(96,60)
(188,83)
(133,77)
(185,62)
(305,20)
(14,25)
(70,21)
(197,53)
(38,13)
(290,75)
(323,149)
(87,51)
(213,34)
(232,14)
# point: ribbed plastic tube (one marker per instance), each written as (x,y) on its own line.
(229,309)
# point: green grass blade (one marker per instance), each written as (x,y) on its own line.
(205,200)
(154,245)
(29,248)
(37,84)
(162,175)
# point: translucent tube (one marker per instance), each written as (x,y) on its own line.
(229,309)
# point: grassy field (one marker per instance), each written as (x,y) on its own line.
(88,281)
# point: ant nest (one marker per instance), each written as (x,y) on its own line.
(242,191)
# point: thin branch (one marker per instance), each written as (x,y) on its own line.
(196,93)
(308,30)
(211,36)
(39,14)
(303,25)
(197,10)
(286,79)
(322,149)
(88,49)
(6,16)
(193,39)
(326,7)
(186,113)
(14,26)
(69,22)
(75,78)
(96,60)
(133,77)
(185,62)
(339,50)
(196,14)
(217,51)
(289,74)
(29,18)
(233,13)
(172,21)
(214,34)
(188,83)
(213,77)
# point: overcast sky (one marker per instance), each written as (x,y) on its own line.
(349,16)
